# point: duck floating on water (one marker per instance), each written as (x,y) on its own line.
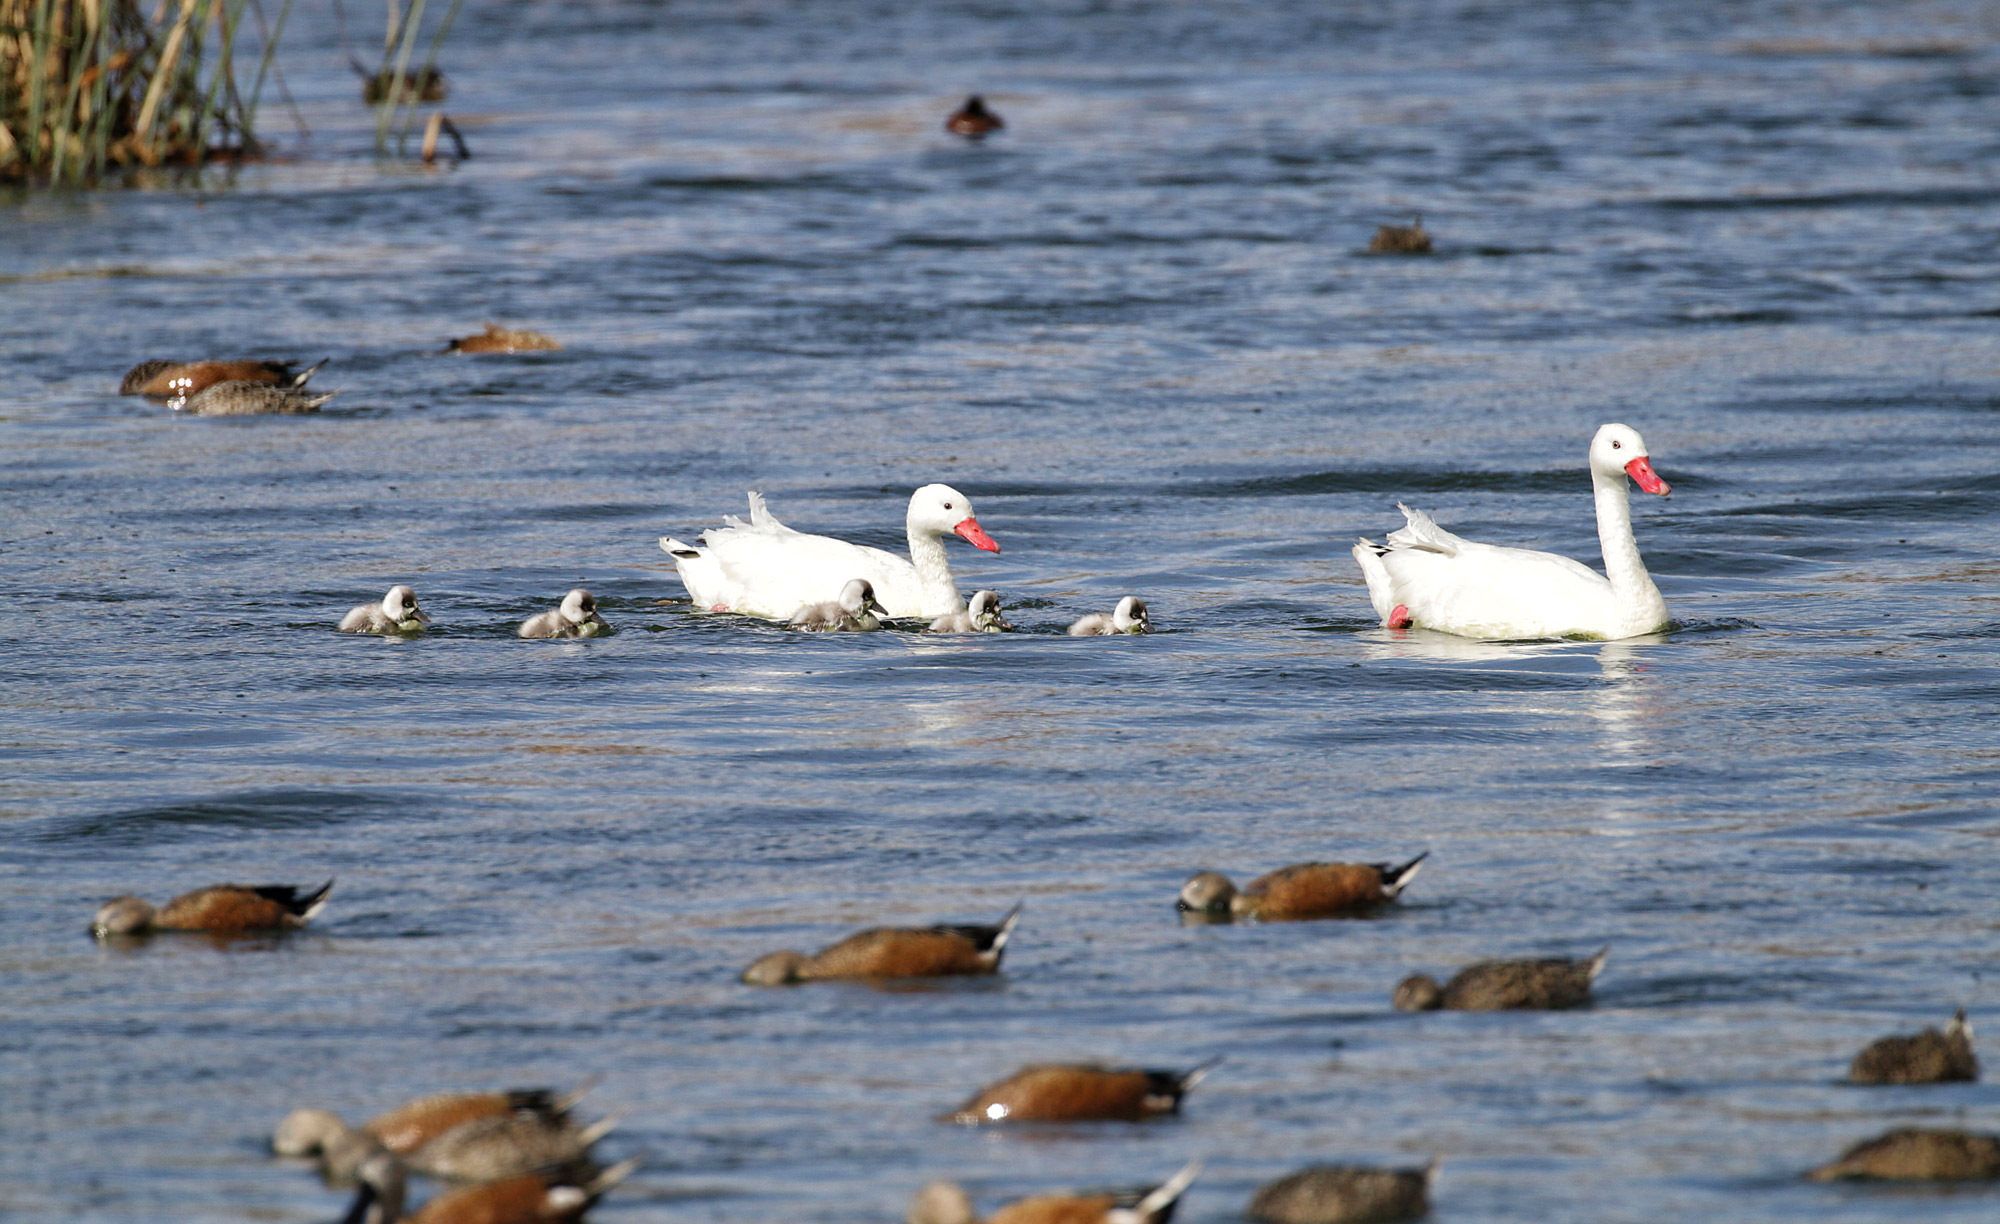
(463,1136)
(946,1202)
(1929,1057)
(1301,891)
(1345,1194)
(177,380)
(536,1198)
(1552,984)
(576,618)
(1400,239)
(1128,617)
(856,611)
(973,120)
(981,615)
(1081,1092)
(893,952)
(221,909)
(396,612)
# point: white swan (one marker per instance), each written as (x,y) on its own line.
(1128,617)
(764,568)
(576,618)
(981,615)
(853,612)
(395,612)
(1429,578)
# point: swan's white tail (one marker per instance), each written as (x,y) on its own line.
(1597,962)
(1369,557)
(675,548)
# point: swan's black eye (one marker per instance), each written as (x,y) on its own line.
(1617,446)
(947,505)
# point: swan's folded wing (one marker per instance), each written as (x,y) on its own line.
(777,573)
(1491,592)
(1421,531)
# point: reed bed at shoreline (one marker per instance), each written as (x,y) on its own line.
(88,86)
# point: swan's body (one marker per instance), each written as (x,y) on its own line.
(853,612)
(981,615)
(764,568)
(1128,617)
(396,612)
(1426,577)
(576,618)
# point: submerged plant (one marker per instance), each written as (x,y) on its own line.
(88,85)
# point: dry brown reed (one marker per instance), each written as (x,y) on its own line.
(90,85)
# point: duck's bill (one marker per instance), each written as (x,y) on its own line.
(975,535)
(1642,474)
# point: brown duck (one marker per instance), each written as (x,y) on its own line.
(1345,1194)
(1541,985)
(1929,1057)
(945,1202)
(497,339)
(973,120)
(1400,239)
(1916,1154)
(180,379)
(224,909)
(893,952)
(1303,890)
(529,1199)
(1081,1092)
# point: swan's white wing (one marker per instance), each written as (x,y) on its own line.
(1419,530)
(1483,591)
(775,573)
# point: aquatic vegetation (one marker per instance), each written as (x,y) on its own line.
(87,86)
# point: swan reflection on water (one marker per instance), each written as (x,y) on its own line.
(1622,705)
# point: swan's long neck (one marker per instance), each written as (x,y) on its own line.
(1639,602)
(933,569)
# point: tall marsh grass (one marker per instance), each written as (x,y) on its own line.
(90,85)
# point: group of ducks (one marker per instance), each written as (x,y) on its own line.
(278,388)
(522,1157)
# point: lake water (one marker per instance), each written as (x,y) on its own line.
(1139,332)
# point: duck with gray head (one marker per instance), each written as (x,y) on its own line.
(222,909)
(1929,1057)
(1300,891)
(1345,1194)
(893,952)
(463,1136)
(946,1202)
(1916,1154)
(1509,985)
(239,398)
